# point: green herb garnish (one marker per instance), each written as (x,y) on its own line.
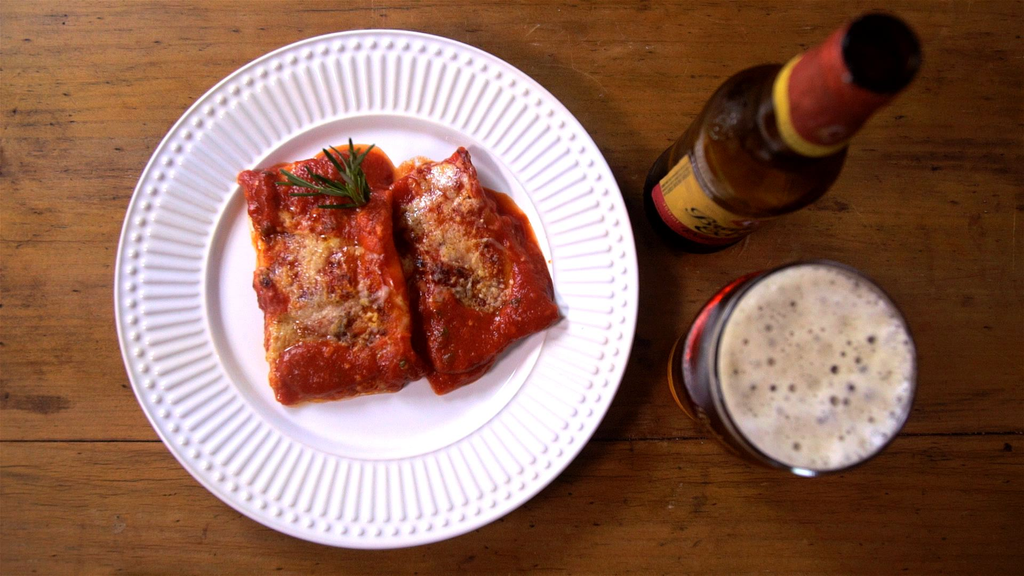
(352,187)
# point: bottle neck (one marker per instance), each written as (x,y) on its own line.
(823,97)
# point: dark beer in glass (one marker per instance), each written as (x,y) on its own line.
(809,367)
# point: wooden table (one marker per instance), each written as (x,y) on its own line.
(929,205)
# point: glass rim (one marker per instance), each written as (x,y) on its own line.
(716,383)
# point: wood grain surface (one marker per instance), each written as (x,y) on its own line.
(931,204)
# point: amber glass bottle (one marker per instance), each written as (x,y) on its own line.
(772,139)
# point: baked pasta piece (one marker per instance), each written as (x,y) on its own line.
(477,278)
(336,312)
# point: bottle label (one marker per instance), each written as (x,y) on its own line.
(689,211)
(818,107)
(787,124)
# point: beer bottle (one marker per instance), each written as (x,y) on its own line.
(772,138)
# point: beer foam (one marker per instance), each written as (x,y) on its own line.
(816,367)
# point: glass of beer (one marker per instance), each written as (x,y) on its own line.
(809,367)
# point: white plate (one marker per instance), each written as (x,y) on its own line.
(389,470)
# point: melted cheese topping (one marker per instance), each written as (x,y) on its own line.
(328,297)
(440,221)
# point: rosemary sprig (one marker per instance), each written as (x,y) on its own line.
(352,187)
